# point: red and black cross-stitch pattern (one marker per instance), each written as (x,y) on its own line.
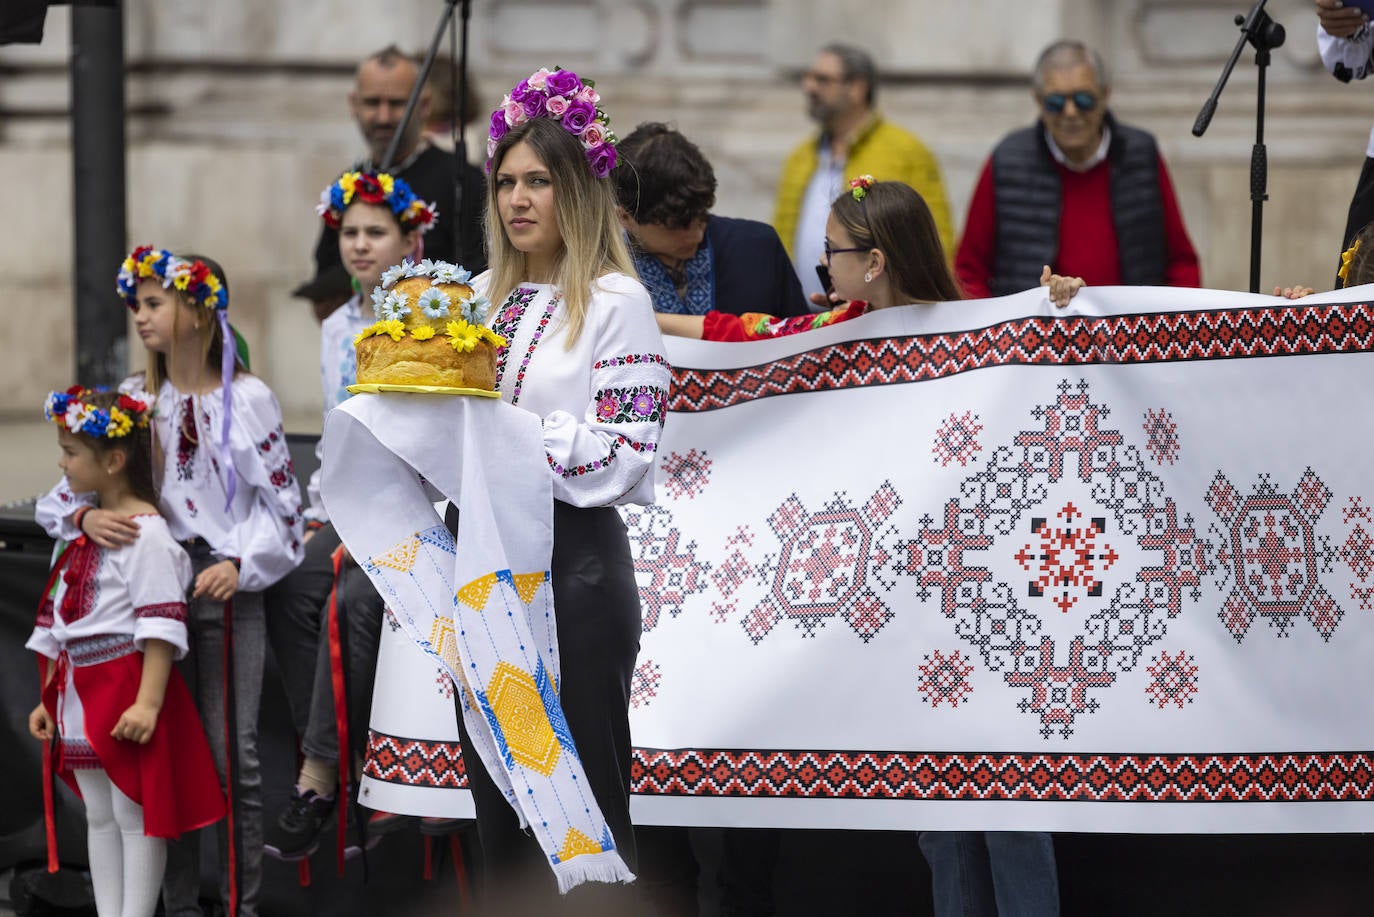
(644,683)
(732,573)
(666,570)
(1161,436)
(685,476)
(414,762)
(1063,679)
(1173,680)
(1271,553)
(1278,330)
(1025,776)
(443,683)
(944,679)
(1358,552)
(822,569)
(957,440)
(1067,558)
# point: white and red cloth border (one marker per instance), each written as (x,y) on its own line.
(762,705)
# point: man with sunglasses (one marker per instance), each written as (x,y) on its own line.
(1078,191)
(854,139)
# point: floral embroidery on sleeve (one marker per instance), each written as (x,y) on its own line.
(640,404)
(602,462)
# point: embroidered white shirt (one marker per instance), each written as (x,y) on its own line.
(338,370)
(1353,54)
(137,591)
(602,401)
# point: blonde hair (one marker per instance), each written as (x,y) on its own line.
(593,241)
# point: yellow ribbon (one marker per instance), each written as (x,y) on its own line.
(1347,257)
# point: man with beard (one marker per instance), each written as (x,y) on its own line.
(377,101)
(854,140)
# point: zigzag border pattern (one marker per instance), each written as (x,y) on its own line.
(1270,331)
(414,762)
(1342,776)
(1023,776)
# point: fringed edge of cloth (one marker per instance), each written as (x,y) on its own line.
(591,867)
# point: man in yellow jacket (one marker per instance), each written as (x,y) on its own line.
(854,140)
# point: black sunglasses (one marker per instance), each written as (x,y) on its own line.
(839,251)
(1054,102)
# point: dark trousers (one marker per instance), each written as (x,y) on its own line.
(298,628)
(596,603)
(205,675)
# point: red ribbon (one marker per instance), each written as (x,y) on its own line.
(336,677)
(49,817)
(230,751)
(49,814)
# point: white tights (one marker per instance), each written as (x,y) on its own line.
(126,866)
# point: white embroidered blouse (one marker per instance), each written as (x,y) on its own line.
(137,591)
(338,370)
(262,527)
(603,401)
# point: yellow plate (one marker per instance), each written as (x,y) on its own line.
(421,389)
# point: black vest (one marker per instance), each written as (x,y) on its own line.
(1028,196)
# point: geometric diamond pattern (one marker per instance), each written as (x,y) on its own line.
(1026,776)
(1062,676)
(516,703)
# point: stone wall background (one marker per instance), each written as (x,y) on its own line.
(237,117)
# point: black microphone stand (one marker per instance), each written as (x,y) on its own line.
(460,145)
(1259,30)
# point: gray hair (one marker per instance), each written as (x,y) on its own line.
(857,65)
(1068,53)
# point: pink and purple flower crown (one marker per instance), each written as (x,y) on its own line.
(376,188)
(561,95)
(194,278)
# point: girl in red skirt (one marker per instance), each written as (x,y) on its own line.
(111,623)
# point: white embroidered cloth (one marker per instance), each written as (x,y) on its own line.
(989,565)
(482,608)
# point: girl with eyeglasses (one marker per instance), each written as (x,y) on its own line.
(881,250)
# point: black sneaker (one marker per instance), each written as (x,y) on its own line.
(433,826)
(296,833)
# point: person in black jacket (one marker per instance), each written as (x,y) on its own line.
(690,260)
(377,101)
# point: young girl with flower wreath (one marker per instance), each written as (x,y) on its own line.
(584,354)
(110,625)
(228,491)
(380,224)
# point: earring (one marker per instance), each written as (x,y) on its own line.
(868,278)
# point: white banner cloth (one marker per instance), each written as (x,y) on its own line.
(990,565)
